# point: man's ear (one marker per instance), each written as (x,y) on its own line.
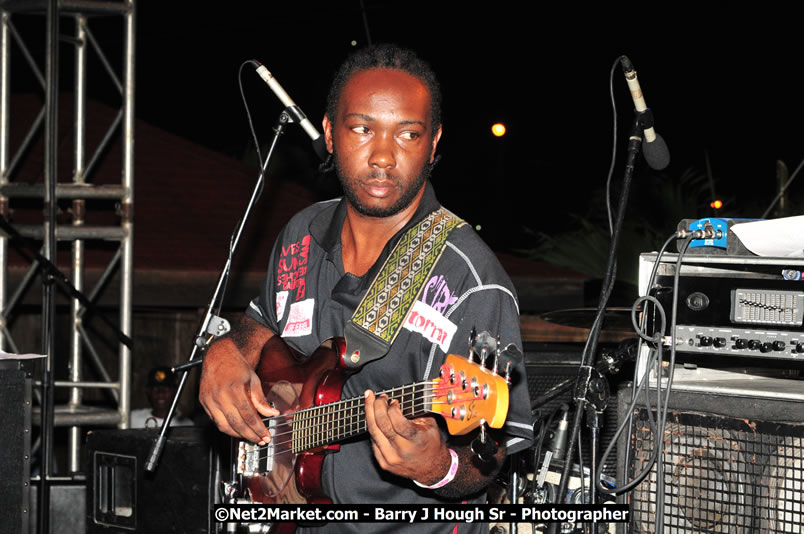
(327,125)
(436,138)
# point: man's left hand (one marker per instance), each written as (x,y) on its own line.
(409,448)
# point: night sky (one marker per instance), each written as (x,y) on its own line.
(723,84)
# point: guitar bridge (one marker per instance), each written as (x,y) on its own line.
(253,459)
(248,459)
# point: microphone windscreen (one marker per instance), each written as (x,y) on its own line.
(656,154)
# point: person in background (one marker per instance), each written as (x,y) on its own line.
(161,388)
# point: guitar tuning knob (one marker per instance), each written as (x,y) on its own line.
(483,344)
(496,355)
(512,355)
(484,447)
(472,337)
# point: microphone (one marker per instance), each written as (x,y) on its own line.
(559,445)
(654,148)
(295,111)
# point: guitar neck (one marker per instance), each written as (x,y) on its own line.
(323,425)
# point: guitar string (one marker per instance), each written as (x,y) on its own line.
(324,417)
(305,415)
(389,392)
(295,420)
(309,410)
(419,403)
(357,427)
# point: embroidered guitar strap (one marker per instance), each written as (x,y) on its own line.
(380,315)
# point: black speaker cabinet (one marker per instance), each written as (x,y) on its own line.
(15,447)
(66,507)
(733,461)
(123,497)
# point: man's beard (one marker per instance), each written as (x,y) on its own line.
(405,200)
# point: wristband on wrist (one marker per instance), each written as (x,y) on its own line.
(453,470)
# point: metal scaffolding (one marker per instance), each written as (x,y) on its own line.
(81,16)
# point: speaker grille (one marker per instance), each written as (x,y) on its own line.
(722,474)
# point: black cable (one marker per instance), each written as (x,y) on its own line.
(635,394)
(262,165)
(613,142)
(580,468)
(261,180)
(641,476)
(636,377)
(662,404)
(607,291)
(657,345)
(538,449)
(585,369)
(656,342)
(254,64)
(660,433)
(216,301)
(638,328)
(582,478)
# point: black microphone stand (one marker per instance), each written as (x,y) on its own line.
(213,325)
(582,384)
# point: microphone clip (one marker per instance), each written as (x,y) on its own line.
(645,119)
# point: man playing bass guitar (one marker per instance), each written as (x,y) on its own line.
(382,127)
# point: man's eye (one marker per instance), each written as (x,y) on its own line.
(362,130)
(410,135)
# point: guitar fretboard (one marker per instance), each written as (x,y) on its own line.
(319,426)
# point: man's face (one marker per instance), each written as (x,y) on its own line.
(161,398)
(383,140)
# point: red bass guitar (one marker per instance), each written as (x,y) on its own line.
(313,417)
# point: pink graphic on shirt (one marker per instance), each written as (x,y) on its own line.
(292,267)
(437,294)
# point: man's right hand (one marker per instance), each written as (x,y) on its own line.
(231,392)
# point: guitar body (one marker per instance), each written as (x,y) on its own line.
(313,418)
(293,382)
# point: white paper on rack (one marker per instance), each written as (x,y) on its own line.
(775,237)
(9,356)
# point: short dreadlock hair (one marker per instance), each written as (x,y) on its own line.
(386,56)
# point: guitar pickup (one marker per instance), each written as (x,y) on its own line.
(248,458)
